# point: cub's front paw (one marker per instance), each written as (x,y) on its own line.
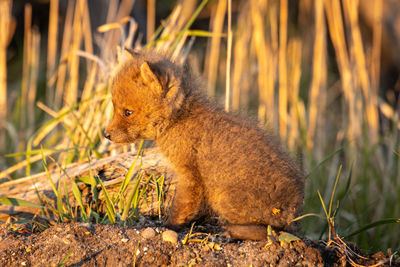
(173,224)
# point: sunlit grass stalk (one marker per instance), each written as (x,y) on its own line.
(188,24)
(336,31)
(213,49)
(375,64)
(294,75)
(263,52)
(22,112)
(240,62)
(33,81)
(71,94)
(319,72)
(351,10)
(52,42)
(116,13)
(5,26)
(166,30)
(151,19)
(283,94)
(228,59)
(87,33)
(65,49)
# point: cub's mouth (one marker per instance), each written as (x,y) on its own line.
(121,138)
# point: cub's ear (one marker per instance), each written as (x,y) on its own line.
(175,98)
(150,78)
(175,95)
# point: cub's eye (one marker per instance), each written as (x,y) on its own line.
(128,112)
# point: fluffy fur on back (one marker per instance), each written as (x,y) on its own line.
(222,161)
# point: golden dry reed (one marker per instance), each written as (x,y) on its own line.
(5,27)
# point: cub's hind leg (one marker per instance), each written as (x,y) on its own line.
(187,202)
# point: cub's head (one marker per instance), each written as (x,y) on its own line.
(146,94)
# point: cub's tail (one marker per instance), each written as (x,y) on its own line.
(247,231)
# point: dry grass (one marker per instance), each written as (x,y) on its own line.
(5,26)
(316,100)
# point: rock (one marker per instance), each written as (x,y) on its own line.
(148,233)
(170,236)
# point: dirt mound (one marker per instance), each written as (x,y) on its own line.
(84,244)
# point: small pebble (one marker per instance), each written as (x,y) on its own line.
(148,233)
(170,236)
(124,240)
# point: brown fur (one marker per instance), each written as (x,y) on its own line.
(222,161)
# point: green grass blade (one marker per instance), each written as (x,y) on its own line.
(372,225)
(346,190)
(48,174)
(323,205)
(324,161)
(139,197)
(160,192)
(67,198)
(64,260)
(40,200)
(10,201)
(307,215)
(333,191)
(129,174)
(84,179)
(128,203)
(109,204)
(93,184)
(78,197)
(60,204)
(28,157)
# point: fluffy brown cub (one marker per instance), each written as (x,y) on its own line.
(222,162)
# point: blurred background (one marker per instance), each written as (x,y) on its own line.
(321,75)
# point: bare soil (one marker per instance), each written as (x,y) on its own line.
(84,244)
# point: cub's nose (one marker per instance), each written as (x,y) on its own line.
(107,135)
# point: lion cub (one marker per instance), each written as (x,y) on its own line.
(223,163)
